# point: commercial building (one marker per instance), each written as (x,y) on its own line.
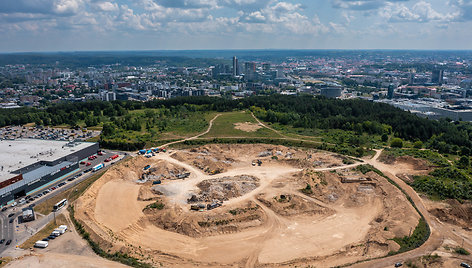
(250,71)
(27,165)
(331,91)
(235,66)
(437,76)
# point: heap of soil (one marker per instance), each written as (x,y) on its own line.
(210,163)
(292,205)
(225,188)
(413,163)
(202,224)
(455,213)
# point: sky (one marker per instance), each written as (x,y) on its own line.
(84,25)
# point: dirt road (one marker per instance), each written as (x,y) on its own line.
(439,231)
(194,137)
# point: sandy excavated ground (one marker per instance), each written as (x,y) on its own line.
(269,223)
(247,127)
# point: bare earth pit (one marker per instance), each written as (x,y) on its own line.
(287,211)
(247,127)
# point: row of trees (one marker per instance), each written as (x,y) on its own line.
(297,111)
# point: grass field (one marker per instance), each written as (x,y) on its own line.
(224,126)
(45,232)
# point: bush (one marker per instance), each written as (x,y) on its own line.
(461,251)
(418,144)
(396,143)
(307,190)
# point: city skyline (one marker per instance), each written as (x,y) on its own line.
(96,25)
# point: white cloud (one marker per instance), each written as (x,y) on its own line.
(420,12)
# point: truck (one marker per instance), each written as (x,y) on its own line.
(213,205)
(98,167)
(41,244)
(63,227)
(60,230)
(55,233)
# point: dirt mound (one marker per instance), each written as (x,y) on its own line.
(406,162)
(161,170)
(210,163)
(292,205)
(415,163)
(247,127)
(201,224)
(455,213)
(225,188)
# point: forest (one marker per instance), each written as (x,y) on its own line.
(308,112)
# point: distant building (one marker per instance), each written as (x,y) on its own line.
(250,71)
(411,78)
(235,66)
(391,91)
(437,76)
(331,91)
(266,67)
(280,73)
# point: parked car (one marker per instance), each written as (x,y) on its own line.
(398,264)
(46,239)
(2,241)
(52,237)
(88,164)
(465,265)
(11,215)
(4,208)
(8,242)
(12,220)
(83,163)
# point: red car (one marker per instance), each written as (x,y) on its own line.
(83,163)
(108,160)
(88,164)
(100,153)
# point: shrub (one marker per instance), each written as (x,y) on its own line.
(418,144)
(396,143)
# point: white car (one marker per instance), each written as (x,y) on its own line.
(14,204)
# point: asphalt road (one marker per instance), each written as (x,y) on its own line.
(7,228)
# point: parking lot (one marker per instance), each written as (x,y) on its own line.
(46,133)
(10,216)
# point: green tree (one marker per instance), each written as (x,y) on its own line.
(384,137)
(418,144)
(464,162)
(397,143)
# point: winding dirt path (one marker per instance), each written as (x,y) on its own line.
(438,230)
(194,137)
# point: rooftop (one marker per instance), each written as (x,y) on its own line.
(16,154)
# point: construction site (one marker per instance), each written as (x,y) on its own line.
(245,205)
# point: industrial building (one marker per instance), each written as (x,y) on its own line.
(30,164)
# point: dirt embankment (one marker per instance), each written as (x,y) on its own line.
(407,162)
(354,190)
(293,205)
(224,188)
(214,159)
(453,212)
(217,222)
